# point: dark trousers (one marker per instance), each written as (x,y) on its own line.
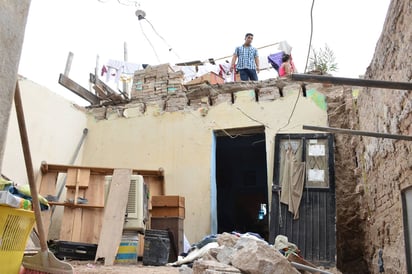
(248,74)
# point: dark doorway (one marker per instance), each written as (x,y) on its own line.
(313,231)
(241,181)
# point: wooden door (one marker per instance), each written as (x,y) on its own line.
(314,229)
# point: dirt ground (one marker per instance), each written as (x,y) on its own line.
(92,267)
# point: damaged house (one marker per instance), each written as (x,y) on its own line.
(238,154)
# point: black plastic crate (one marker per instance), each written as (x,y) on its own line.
(75,250)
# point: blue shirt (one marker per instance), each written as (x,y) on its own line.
(246,57)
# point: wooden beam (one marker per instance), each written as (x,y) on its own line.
(108,90)
(68,64)
(359,132)
(45,167)
(351,81)
(78,90)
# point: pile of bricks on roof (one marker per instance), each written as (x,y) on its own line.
(156,82)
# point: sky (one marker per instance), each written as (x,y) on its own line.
(187,30)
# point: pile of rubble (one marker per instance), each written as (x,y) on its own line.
(230,253)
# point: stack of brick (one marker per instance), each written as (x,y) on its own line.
(157,83)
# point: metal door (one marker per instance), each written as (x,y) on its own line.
(314,230)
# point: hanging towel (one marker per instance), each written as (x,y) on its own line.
(293,181)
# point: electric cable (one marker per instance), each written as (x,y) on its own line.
(161,37)
(307,58)
(311,34)
(148,40)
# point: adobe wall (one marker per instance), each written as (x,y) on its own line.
(385,164)
(342,113)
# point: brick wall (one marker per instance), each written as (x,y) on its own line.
(386,165)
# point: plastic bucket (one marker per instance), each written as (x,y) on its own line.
(156,247)
(127,252)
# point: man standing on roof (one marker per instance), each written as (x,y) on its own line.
(248,60)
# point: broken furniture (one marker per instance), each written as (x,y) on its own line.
(82,222)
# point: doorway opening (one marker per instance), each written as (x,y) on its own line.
(241,181)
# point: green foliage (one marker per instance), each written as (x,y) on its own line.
(322,60)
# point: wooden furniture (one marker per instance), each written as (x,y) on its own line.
(168,206)
(83,222)
(168,213)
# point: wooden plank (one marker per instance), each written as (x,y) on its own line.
(81,175)
(93,218)
(46,186)
(99,170)
(359,132)
(78,205)
(351,81)
(71,177)
(67,224)
(84,177)
(114,214)
(78,90)
(77,224)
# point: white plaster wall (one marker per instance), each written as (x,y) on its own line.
(54,128)
(180,142)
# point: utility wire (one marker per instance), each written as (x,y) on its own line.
(307,59)
(161,37)
(311,34)
(148,40)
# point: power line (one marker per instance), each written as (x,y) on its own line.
(161,37)
(311,34)
(148,40)
(307,58)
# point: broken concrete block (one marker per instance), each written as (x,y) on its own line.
(221,98)
(245,96)
(255,257)
(268,94)
(227,239)
(225,255)
(184,269)
(200,267)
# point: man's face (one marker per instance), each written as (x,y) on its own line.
(248,39)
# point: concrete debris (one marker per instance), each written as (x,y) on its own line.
(202,266)
(237,254)
(256,257)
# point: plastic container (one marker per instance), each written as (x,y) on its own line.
(15,228)
(128,248)
(156,247)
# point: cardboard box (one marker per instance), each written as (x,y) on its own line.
(168,212)
(168,201)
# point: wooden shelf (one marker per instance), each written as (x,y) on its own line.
(45,168)
(77,205)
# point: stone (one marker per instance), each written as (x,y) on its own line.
(184,269)
(256,257)
(201,266)
(225,255)
(227,239)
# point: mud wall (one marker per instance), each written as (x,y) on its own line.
(387,163)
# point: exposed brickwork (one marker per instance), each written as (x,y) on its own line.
(349,230)
(385,165)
